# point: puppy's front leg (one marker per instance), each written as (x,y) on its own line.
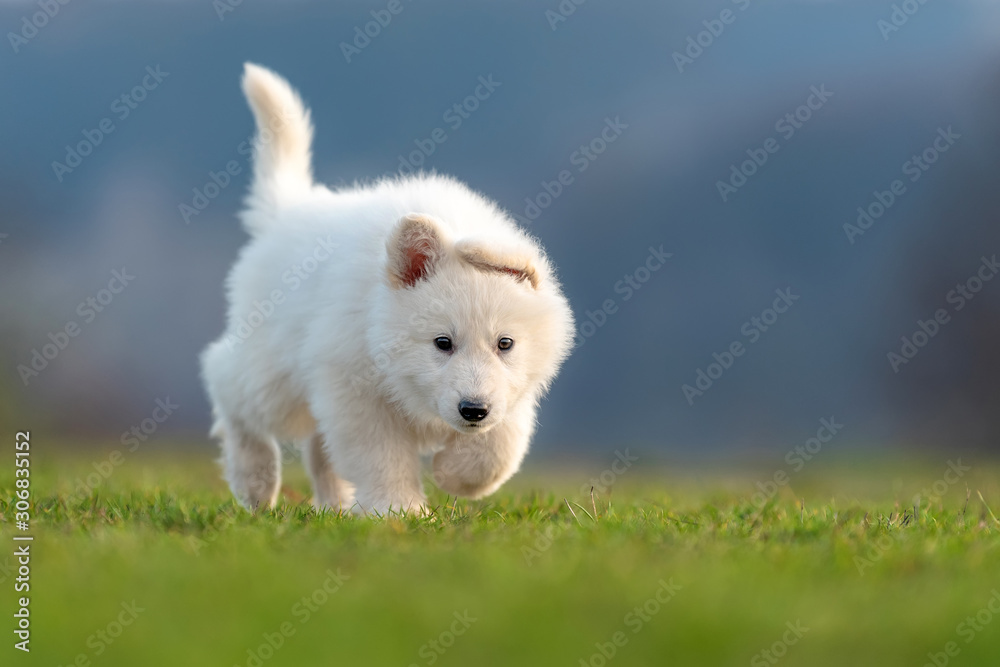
(475,466)
(383,466)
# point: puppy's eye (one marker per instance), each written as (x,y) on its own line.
(505,343)
(443,343)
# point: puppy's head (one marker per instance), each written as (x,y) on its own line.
(469,327)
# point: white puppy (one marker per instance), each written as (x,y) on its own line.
(375,324)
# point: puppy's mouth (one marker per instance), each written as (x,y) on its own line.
(472,427)
(478,426)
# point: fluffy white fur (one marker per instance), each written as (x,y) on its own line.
(335,305)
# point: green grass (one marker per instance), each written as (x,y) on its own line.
(546,572)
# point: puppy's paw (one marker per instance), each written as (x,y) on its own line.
(469,471)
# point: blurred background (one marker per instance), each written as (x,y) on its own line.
(120,120)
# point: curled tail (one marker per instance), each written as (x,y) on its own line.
(282,146)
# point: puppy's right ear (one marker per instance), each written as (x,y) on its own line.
(415,247)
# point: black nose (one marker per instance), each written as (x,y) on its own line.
(473,412)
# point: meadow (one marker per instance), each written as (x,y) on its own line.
(672,565)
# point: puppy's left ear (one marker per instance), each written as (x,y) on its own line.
(414,248)
(517,262)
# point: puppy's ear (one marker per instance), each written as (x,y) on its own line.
(518,263)
(414,247)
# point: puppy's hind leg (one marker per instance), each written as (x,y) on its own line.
(252,466)
(330,491)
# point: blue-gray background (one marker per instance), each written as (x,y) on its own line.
(656,185)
